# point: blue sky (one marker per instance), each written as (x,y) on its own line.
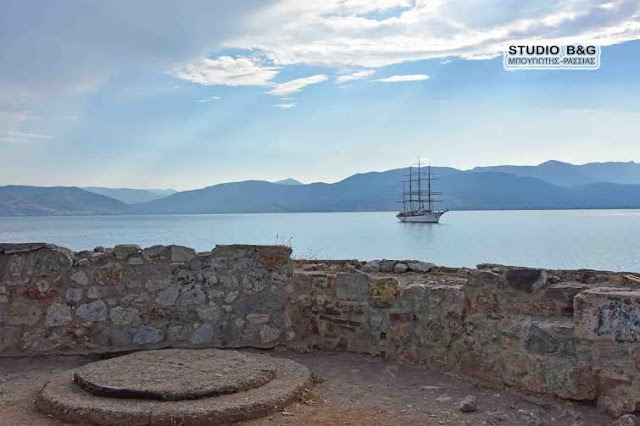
(189,94)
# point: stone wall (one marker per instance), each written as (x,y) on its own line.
(55,301)
(572,334)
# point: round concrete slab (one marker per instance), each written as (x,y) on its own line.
(175,374)
(64,400)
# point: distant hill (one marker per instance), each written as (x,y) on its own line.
(130,195)
(288,181)
(551,185)
(565,174)
(18,200)
(377,191)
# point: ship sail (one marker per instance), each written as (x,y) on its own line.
(418,205)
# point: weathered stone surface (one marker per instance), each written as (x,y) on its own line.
(606,313)
(154,251)
(122,251)
(135,260)
(147,335)
(507,326)
(155,285)
(387,265)
(483,277)
(258,319)
(74,294)
(207,393)
(203,335)
(420,266)
(193,296)
(383,290)
(168,296)
(124,316)
(93,293)
(541,342)
(80,277)
(372,266)
(526,279)
(353,286)
(269,334)
(175,374)
(181,254)
(563,293)
(58,314)
(231,296)
(92,312)
(400,268)
(23,313)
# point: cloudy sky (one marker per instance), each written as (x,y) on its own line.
(185,94)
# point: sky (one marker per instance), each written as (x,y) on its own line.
(187,94)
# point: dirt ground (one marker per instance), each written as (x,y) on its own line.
(354,390)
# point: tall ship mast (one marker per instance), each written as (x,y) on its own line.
(418,203)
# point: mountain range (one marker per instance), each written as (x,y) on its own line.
(550,185)
(130,195)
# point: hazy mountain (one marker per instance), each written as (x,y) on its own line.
(566,174)
(378,191)
(288,181)
(481,188)
(130,195)
(18,200)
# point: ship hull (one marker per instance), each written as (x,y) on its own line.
(421,217)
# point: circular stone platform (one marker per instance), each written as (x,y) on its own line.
(174,386)
(174,375)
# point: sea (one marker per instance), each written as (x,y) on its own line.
(594,239)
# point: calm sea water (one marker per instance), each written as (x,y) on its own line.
(600,239)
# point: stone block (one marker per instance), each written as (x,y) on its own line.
(154,252)
(372,266)
(352,286)
(181,254)
(387,266)
(400,268)
(92,312)
(23,313)
(383,290)
(147,335)
(122,251)
(526,279)
(606,313)
(168,296)
(124,316)
(202,335)
(73,295)
(562,294)
(420,266)
(58,314)
(484,277)
(80,277)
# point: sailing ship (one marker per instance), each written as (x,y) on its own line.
(418,204)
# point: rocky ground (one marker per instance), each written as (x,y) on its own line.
(353,390)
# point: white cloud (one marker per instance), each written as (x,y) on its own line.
(285,106)
(209,99)
(227,71)
(14,136)
(404,78)
(296,85)
(371,34)
(354,76)
(10,118)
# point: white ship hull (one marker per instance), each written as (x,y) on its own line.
(421,216)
